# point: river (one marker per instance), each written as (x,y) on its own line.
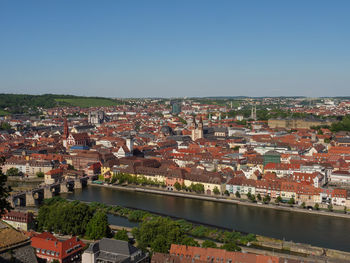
(323,231)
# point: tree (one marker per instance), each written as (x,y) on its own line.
(122,235)
(317,206)
(249,195)
(216,190)
(238,195)
(343,125)
(231,246)
(159,244)
(61,216)
(236,148)
(227,193)
(159,233)
(5,126)
(189,241)
(198,188)
(40,174)
(330,207)
(303,205)
(177,186)
(209,243)
(278,200)
(12,172)
(258,196)
(252,198)
(98,226)
(4,194)
(266,199)
(345,209)
(291,201)
(2,160)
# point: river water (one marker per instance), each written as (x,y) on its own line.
(323,231)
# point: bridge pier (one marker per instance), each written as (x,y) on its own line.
(47,193)
(64,188)
(12,202)
(30,201)
(78,184)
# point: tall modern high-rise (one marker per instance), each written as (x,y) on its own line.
(175,107)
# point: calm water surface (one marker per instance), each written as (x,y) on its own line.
(324,231)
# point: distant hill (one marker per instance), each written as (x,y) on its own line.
(85,102)
(20,103)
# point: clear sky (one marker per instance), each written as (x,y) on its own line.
(173,48)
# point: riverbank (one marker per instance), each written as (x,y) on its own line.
(271,247)
(222,200)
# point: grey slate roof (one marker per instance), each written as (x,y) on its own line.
(23,254)
(116,246)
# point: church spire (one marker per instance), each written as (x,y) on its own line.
(65,129)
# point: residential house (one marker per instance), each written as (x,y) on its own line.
(20,220)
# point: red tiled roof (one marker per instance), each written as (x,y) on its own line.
(61,249)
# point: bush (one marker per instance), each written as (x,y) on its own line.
(13,172)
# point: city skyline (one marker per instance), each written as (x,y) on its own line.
(168,49)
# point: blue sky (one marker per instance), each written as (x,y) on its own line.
(175,48)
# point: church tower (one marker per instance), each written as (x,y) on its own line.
(130,143)
(65,133)
(197,129)
(253,113)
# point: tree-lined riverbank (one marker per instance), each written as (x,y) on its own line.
(224,200)
(311,229)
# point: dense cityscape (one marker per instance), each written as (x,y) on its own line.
(290,154)
(187,131)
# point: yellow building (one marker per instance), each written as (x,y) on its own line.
(296,123)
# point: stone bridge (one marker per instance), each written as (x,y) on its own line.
(37,195)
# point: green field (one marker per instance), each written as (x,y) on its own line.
(88,102)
